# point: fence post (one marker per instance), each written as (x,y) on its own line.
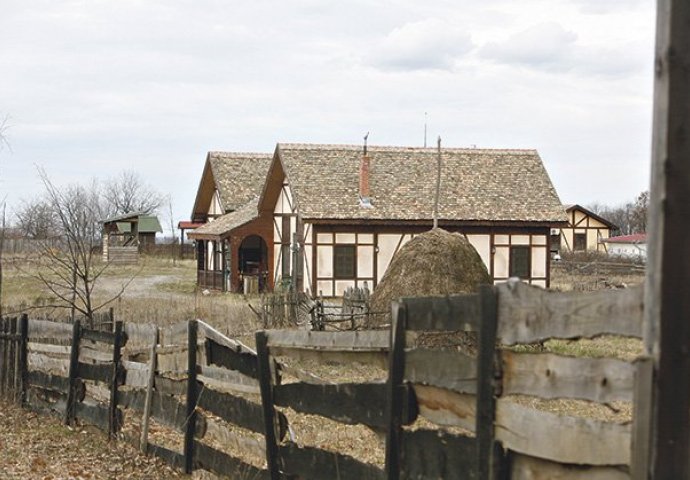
(396,373)
(113,424)
(489,463)
(192,329)
(23,356)
(70,407)
(14,363)
(265,383)
(3,354)
(144,439)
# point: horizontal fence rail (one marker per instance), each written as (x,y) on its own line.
(227,403)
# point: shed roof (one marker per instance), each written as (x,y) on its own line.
(634,238)
(476,184)
(225,223)
(146,223)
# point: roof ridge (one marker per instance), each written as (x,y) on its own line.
(334,146)
(240,154)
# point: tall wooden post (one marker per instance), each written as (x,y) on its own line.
(113,423)
(667,305)
(192,394)
(266,384)
(23,357)
(71,405)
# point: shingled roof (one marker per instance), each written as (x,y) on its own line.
(239,177)
(476,184)
(225,223)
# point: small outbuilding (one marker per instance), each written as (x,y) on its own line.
(125,236)
(632,246)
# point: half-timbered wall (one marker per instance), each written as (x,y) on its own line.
(215,208)
(284,225)
(584,233)
(505,255)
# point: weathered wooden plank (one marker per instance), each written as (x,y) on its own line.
(47,348)
(243,444)
(150,383)
(667,308)
(170,386)
(171,457)
(235,410)
(98,415)
(229,381)
(97,372)
(208,332)
(378,358)
(445,407)
(139,334)
(371,340)
(447,313)
(164,409)
(643,403)
(315,464)
(561,438)
(226,465)
(172,362)
(45,363)
(555,376)
(98,336)
(266,376)
(136,374)
(394,402)
(530,314)
(436,454)
(348,403)
(117,373)
(232,358)
(46,401)
(530,468)
(43,329)
(174,334)
(191,397)
(48,382)
(442,368)
(93,354)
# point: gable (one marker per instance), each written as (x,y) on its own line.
(229,181)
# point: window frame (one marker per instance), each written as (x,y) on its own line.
(337,275)
(513,257)
(580,240)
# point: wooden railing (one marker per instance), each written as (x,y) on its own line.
(70,370)
(210,279)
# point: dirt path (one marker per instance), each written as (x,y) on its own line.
(40,447)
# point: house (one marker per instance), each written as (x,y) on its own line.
(126,235)
(226,200)
(586,231)
(633,246)
(332,216)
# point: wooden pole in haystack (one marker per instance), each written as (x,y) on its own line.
(438,181)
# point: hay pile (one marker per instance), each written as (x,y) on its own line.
(434,263)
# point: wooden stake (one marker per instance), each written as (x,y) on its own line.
(266,384)
(192,393)
(113,424)
(70,406)
(143,441)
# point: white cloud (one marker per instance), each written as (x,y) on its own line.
(422,45)
(544,45)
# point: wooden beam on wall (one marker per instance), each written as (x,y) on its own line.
(667,306)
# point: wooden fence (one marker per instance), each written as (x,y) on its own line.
(189,375)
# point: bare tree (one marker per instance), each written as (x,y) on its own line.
(127,193)
(4,127)
(173,237)
(37,219)
(71,271)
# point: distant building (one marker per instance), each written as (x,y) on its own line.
(124,236)
(634,246)
(586,231)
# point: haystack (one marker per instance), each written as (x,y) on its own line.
(434,263)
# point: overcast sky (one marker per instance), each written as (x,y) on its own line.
(94,87)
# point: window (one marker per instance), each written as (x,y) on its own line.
(580,242)
(520,262)
(344,261)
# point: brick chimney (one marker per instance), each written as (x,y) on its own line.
(364,177)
